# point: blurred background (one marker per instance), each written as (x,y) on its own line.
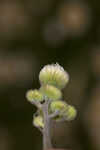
(34,33)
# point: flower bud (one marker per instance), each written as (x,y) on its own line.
(50,92)
(34,95)
(54,75)
(70,114)
(38,121)
(58,105)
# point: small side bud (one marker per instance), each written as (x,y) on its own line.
(54,75)
(58,105)
(38,121)
(34,95)
(70,114)
(66,112)
(50,92)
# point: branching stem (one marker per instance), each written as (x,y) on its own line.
(47,125)
(55,114)
(37,104)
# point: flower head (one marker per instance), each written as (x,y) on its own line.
(58,105)
(54,75)
(50,92)
(34,95)
(70,114)
(66,112)
(38,121)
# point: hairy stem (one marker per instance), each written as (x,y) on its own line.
(46,131)
(55,114)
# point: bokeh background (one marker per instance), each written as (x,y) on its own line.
(34,33)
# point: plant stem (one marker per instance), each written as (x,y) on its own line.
(46,131)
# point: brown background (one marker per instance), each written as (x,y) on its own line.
(34,33)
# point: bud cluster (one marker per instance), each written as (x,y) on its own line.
(53,78)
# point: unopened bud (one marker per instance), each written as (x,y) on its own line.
(70,114)
(50,92)
(58,105)
(34,95)
(38,121)
(54,75)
